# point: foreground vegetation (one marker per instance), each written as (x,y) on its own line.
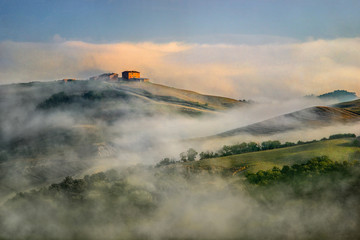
(167,202)
(289,193)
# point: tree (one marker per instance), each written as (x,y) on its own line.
(253,146)
(267,145)
(183,157)
(191,154)
(165,162)
(207,154)
(357,142)
(225,151)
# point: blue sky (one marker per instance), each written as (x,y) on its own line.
(241,49)
(106,21)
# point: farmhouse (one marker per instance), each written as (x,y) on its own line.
(130,74)
(133,76)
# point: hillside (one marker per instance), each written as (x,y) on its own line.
(146,96)
(313,117)
(337,149)
(49,130)
(148,93)
(352,106)
(177,96)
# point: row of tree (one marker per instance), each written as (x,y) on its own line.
(228,150)
(244,147)
(313,167)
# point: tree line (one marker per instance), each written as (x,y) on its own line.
(316,166)
(244,147)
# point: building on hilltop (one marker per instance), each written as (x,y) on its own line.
(106,77)
(133,76)
(130,74)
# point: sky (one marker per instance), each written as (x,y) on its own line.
(240,49)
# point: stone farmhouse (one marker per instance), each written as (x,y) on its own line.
(133,76)
(130,74)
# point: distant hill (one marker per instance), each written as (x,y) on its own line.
(339,95)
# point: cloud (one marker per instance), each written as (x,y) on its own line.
(278,70)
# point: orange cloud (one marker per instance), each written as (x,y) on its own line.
(240,71)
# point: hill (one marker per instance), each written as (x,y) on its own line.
(78,92)
(337,149)
(313,117)
(180,97)
(351,106)
(147,97)
(339,95)
(49,130)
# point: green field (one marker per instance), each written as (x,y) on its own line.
(337,149)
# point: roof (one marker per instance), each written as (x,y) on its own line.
(131,71)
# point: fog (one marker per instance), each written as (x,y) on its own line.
(175,205)
(42,146)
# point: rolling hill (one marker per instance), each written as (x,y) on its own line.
(49,130)
(313,117)
(351,106)
(150,96)
(77,92)
(177,97)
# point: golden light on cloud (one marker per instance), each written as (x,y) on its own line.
(239,71)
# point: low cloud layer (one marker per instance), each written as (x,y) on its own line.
(260,72)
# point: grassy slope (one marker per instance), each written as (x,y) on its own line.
(159,96)
(176,96)
(337,150)
(353,106)
(318,116)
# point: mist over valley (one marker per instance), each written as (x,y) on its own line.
(72,143)
(173,120)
